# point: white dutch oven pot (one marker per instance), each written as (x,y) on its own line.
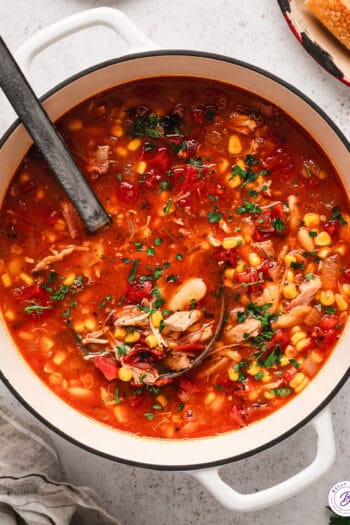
(201,457)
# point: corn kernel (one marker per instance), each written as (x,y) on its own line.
(121,151)
(27,279)
(10,315)
(69,280)
(323,239)
(125,374)
(162,400)
(45,343)
(6,280)
(233,374)
(241,164)
(311,220)
(296,380)
(341,303)
(301,385)
(327,297)
(90,323)
(253,395)
(244,299)
(316,357)
(290,351)
(156,318)
(322,174)
(40,194)
(134,144)
(341,249)
(223,165)
(290,291)
(59,357)
(254,259)
(232,242)
(297,336)
(141,167)
(234,145)
(267,377)
(60,225)
(303,344)
(75,125)
(289,259)
(284,360)
(233,181)
(229,273)
(295,329)
(210,397)
(120,333)
(24,178)
(117,131)
(121,413)
(346,289)
(324,252)
(26,336)
(289,276)
(254,368)
(132,337)
(269,395)
(151,341)
(240,266)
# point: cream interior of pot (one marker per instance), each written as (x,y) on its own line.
(122,445)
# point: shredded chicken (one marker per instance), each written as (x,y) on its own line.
(177,361)
(294,317)
(266,247)
(201,335)
(307,292)
(330,272)
(131,316)
(270,295)
(243,331)
(58,256)
(181,321)
(98,163)
(295,215)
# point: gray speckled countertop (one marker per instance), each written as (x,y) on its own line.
(254,31)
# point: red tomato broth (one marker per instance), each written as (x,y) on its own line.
(178,198)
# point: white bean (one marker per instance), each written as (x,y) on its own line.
(193,289)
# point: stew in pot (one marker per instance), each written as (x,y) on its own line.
(206,185)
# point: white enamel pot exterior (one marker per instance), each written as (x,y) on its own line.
(199,456)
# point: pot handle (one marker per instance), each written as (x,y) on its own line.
(233,500)
(105,16)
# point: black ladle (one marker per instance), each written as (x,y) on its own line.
(47,139)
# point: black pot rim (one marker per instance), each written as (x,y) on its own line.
(341,382)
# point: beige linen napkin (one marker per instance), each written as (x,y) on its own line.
(31,492)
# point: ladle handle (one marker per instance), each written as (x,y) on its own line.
(46,137)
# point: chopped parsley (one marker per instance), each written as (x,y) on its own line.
(179,256)
(36,308)
(181,407)
(132,275)
(119,177)
(116,396)
(105,301)
(336,214)
(149,415)
(278,224)
(214,216)
(250,160)
(158,241)
(150,251)
(248,207)
(168,207)
(282,392)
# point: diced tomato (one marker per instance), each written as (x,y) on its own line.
(143,357)
(138,291)
(127,192)
(229,256)
(189,347)
(163,381)
(37,296)
(329,339)
(236,415)
(186,385)
(252,276)
(198,116)
(280,339)
(108,367)
(279,163)
(135,399)
(328,321)
(289,374)
(160,161)
(332,227)
(347,274)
